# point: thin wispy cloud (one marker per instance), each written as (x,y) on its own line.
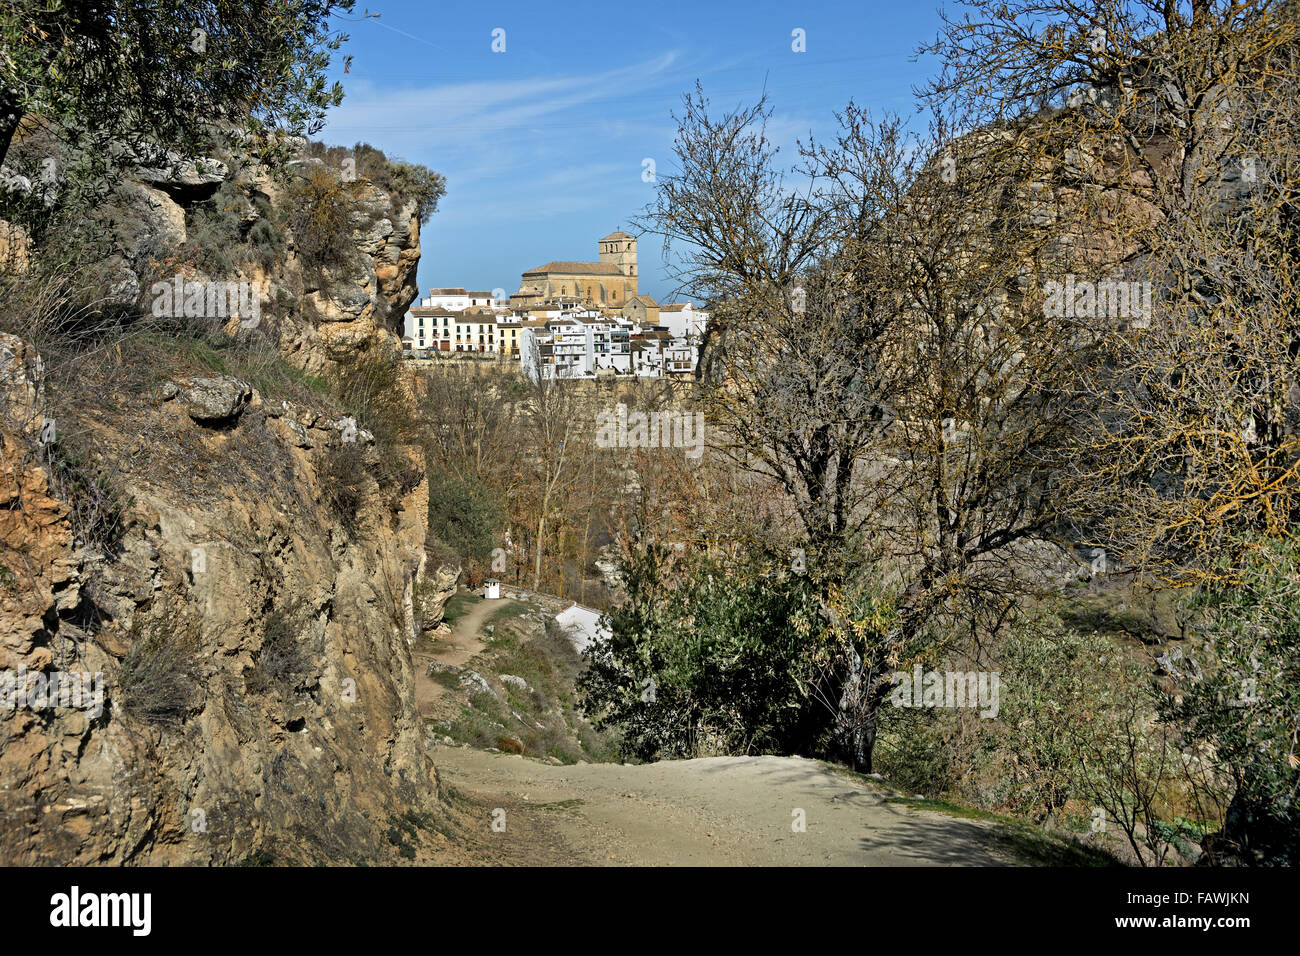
(543,145)
(485,109)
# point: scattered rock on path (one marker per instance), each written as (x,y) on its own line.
(476,680)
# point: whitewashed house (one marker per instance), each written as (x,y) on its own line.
(453,300)
(680,356)
(683,320)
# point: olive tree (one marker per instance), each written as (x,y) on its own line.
(127,80)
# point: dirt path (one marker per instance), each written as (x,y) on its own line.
(465,642)
(736,811)
(739,811)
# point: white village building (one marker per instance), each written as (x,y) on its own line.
(683,320)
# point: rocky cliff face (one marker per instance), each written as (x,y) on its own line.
(362,306)
(257,691)
(320,316)
(230,679)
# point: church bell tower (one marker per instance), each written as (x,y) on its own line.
(619,249)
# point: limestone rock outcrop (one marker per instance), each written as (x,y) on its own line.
(234,666)
(317,316)
(216,398)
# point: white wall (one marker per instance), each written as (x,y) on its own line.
(689,321)
(583,626)
(411,330)
(452,303)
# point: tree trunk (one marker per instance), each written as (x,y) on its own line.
(863,692)
(537,567)
(854,734)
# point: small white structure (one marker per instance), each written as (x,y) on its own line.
(583,626)
(491,589)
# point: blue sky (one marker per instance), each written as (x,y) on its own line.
(543,145)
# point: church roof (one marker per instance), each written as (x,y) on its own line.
(617,235)
(650,303)
(578,268)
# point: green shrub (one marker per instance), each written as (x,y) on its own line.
(1241,702)
(212,234)
(1080,722)
(369,388)
(914,750)
(257,858)
(344,480)
(479,723)
(96,507)
(232,229)
(464,515)
(265,237)
(402,181)
(404,832)
(283,660)
(1051,678)
(705,658)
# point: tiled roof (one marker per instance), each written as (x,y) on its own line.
(577,268)
(617,235)
(446,292)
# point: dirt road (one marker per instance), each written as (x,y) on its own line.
(739,811)
(465,641)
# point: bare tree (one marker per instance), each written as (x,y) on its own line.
(1174,127)
(1177,124)
(551,414)
(884,356)
(472,423)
